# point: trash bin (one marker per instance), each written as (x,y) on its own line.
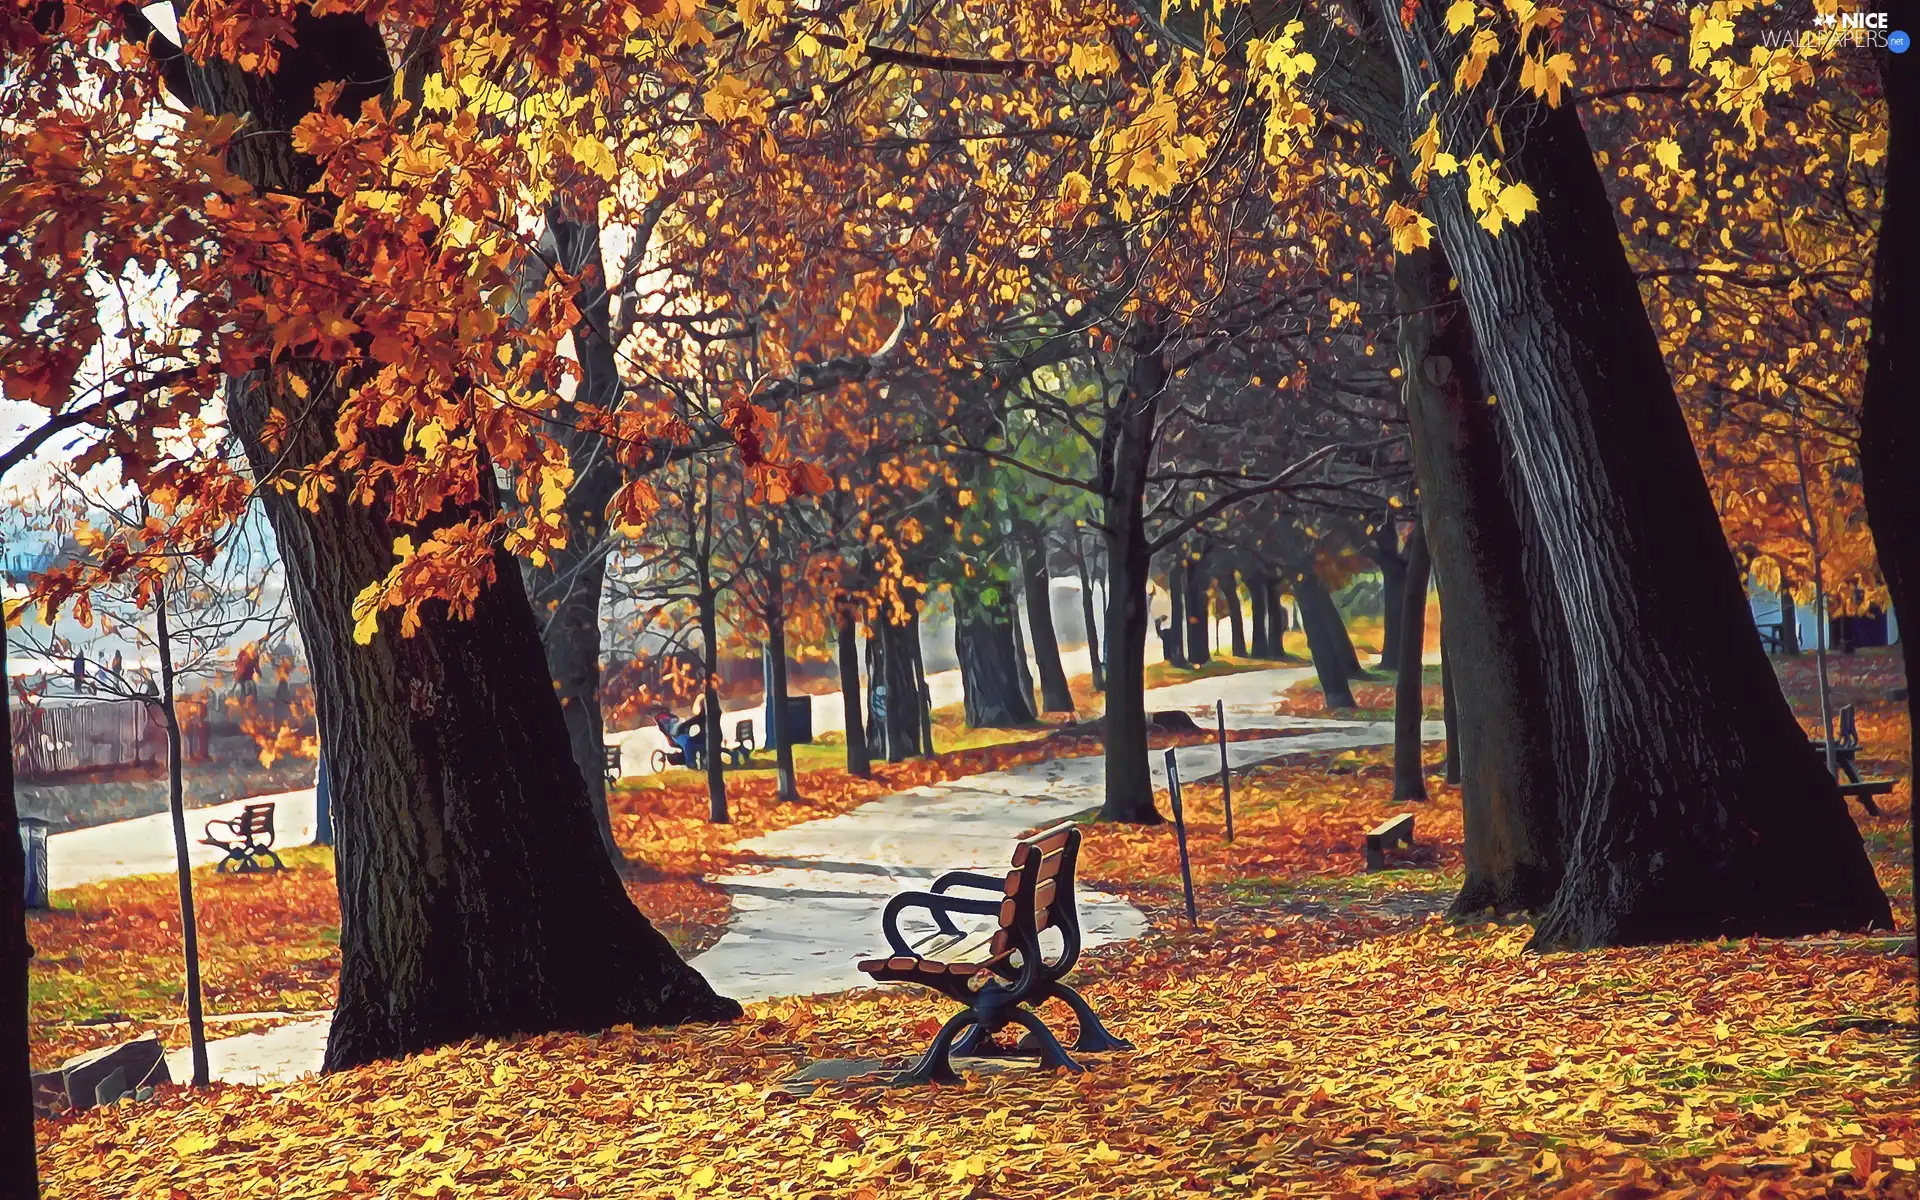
(799,722)
(33,841)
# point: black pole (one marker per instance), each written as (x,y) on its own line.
(1226,780)
(1180,832)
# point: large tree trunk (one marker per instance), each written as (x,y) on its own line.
(1257,595)
(1409,772)
(476,896)
(891,691)
(859,765)
(1704,814)
(1324,636)
(19,1172)
(710,696)
(1500,715)
(1277,617)
(1199,614)
(183,865)
(1392,561)
(990,665)
(787,790)
(1236,621)
(566,592)
(923,695)
(1055,696)
(1790,619)
(1890,401)
(1126,450)
(1088,613)
(1450,710)
(1177,608)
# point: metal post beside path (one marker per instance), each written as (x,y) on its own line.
(1180,833)
(1226,780)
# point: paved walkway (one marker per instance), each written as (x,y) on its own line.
(1249,696)
(144,845)
(799,927)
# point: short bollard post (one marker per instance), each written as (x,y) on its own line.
(1180,833)
(1226,780)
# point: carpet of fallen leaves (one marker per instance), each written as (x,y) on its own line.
(1324,1032)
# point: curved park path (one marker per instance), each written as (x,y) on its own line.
(812,908)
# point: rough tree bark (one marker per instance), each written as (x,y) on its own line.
(1450,711)
(1236,620)
(1126,449)
(1409,773)
(1704,813)
(1498,711)
(990,664)
(1324,636)
(1890,401)
(476,896)
(847,634)
(1055,695)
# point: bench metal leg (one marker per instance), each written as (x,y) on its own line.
(1052,1053)
(978,1041)
(934,1066)
(1094,1037)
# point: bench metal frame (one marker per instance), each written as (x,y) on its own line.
(249,839)
(1016,978)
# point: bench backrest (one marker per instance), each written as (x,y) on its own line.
(741,729)
(253,819)
(1039,895)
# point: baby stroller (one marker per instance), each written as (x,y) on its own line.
(688,740)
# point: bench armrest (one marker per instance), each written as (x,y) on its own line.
(227,825)
(938,907)
(971,879)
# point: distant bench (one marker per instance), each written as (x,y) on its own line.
(249,838)
(1394,831)
(996,970)
(1845,747)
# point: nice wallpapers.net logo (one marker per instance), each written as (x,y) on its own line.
(1841,31)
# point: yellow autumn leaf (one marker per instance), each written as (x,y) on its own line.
(1411,230)
(1460,16)
(1516,201)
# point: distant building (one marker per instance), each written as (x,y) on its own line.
(1871,629)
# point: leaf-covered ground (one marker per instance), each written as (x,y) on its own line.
(1323,1032)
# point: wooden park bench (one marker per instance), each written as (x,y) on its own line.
(249,839)
(1845,747)
(610,764)
(1394,831)
(999,972)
